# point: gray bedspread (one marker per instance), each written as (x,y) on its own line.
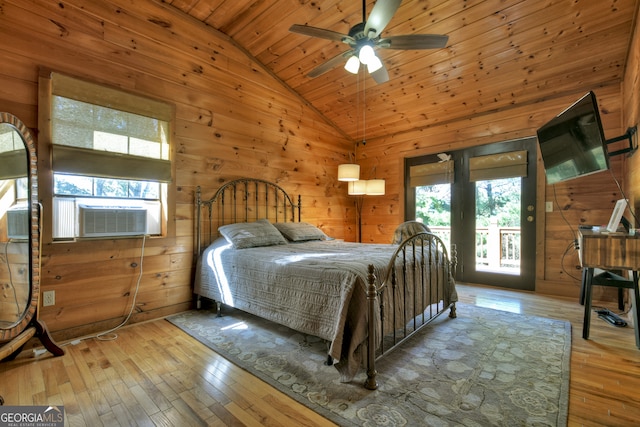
(317,287)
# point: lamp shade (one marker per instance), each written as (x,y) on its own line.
(352,65)
(348,172)
(366,54)
(374,64)
(375,187)
(357,188)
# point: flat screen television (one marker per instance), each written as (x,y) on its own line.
(572,143)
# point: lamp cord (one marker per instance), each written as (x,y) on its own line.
(625,198)
(364,111)
(110,335)
(355,148)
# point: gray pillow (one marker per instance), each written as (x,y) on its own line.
(300,231)
(252,234)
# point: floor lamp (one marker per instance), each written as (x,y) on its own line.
(361,188)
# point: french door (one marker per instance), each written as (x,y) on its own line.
(482,200)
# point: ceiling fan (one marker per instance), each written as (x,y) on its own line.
(365,36)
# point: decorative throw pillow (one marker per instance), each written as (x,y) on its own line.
(408,229)
(300,231)
(252,234)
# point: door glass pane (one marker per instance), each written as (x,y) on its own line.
(433,208)
(498,213)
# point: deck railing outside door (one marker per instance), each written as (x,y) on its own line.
(497,248)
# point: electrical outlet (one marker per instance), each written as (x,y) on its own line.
(48,298)
(549,207)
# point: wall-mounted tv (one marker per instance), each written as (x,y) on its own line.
(572,143)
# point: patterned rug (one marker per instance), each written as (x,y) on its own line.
(486,367)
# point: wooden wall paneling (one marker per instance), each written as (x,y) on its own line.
(53,20)
(533,45)
(485,40)
(576,198)
(51,48)
(487,60)
(16,66)
(257,20)
(344,14)
(184,226)
(462,99)
(520,121)
(151,57)
(311,47)
(175,20)
(223,100)
(631,108)
(18,90)
(207,12)
(18,94)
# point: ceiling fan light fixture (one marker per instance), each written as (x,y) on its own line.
(365,36)
(366,54)
(372,33)
(374,65)
(352,65)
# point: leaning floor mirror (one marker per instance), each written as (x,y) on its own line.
(19,241)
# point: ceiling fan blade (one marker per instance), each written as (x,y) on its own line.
(381,75)
(329,64)
(380,16)
(414,41)
(306,30)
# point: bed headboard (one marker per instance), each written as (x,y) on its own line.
(242,200)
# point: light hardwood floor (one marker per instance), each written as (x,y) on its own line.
(154,374)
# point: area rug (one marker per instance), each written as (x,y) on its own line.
(486,367)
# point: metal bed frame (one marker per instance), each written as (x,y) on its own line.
(420,262)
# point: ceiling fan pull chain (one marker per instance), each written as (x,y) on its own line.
(364,112)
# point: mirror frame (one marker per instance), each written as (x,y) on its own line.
(29,313)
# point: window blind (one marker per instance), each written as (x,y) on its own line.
(431,174)
(103,132)
(495,166)
(13,154)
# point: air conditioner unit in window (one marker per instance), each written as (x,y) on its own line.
(102,221)
(18,223)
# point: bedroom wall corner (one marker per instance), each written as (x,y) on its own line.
(589,200)
(631,114)
(232,119)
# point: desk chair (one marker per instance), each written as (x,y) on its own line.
(610,279)
(583,287)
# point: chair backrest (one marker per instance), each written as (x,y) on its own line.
(408,229)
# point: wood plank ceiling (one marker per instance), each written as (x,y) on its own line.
(500,53)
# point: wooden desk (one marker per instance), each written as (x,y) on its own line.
(610,251)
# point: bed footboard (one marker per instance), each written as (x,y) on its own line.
(418,287)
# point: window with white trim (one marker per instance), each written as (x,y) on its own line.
(111,161)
